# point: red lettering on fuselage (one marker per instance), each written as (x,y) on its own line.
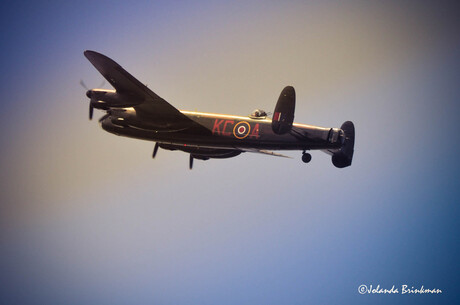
(255,132)
(215,129)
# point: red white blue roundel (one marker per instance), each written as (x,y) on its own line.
(241,130)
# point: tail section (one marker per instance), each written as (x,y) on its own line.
(344,156)
(283,116)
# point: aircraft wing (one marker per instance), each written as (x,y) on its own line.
(153,107)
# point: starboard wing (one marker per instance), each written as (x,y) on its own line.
(153,106)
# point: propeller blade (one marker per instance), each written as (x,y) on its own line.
(155,150)
(191,162)
(91,108)
(104,117)
(82,83)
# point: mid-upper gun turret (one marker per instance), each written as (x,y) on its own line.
(258,114)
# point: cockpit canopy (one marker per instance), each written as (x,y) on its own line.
(258,114)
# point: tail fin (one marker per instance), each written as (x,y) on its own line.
(344,156)
(283,116)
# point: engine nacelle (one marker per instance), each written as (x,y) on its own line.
(106,99)
(283,116)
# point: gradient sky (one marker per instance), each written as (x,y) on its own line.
(89,218)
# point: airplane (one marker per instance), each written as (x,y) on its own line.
(133,110)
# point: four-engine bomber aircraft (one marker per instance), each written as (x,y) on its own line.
(133,110)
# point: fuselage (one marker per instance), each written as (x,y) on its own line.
(223,131)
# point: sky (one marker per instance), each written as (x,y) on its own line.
(89,217)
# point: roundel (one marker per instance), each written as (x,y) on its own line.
(241,130)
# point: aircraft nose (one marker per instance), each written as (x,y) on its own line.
(88,93)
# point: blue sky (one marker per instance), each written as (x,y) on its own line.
(88,217)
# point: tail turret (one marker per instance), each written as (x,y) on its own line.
(344,156)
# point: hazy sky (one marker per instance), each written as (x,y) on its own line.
(87,217)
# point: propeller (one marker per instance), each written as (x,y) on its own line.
(155,150)
(82,83)
(104,117)
(88,94)
(190,164)
(91,110)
